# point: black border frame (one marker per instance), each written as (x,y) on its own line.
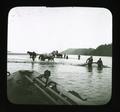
(109,4)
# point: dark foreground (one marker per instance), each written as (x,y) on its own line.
(25,88)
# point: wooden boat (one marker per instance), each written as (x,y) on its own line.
(26,87)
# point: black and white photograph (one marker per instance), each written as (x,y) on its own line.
(59,55)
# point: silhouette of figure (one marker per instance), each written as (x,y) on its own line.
(64,55)
(47,74)
(67,57)
(78,57)
(89,61)
(100,64)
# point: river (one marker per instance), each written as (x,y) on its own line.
(95,85)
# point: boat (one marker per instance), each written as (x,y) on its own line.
(27,87)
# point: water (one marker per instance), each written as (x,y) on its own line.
(95,85)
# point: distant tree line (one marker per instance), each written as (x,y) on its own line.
(102,50)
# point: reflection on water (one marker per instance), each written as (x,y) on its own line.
(90,82)
(89,68)
(32,65)
(99,69)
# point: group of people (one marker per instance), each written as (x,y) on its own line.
(65,56)
(89,61)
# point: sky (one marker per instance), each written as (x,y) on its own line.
(44,29)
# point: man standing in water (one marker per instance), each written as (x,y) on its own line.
(89,61)
(64,55)
(67,57)
(100,63)
(78,57)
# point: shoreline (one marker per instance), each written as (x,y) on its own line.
(16,53)
(68,54)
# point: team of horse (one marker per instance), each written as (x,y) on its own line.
(56,54)
(43,57)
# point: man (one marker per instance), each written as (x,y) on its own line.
(67,57)
(78,57)
(47,74)
(100,63)
(89,61)
(64,55)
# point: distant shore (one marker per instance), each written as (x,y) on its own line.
(68,54)
(17,53)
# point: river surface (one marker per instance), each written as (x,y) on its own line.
(94,84)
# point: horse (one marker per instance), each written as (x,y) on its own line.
(44,56)
(56,54)
(32,55)
(59,55)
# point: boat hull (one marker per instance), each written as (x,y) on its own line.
(25,87)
